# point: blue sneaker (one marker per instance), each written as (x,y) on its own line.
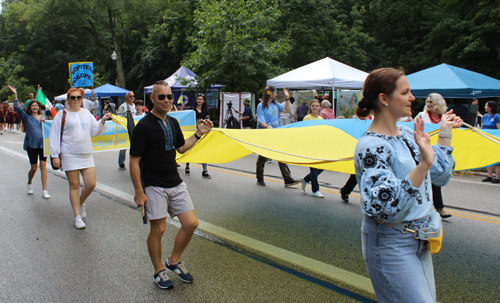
(180,271)
(162,280)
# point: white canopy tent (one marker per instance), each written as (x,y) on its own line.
(323,74)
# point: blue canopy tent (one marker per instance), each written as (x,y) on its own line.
(453,82)
(174,81)
(107,90)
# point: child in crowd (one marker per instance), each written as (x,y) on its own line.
(139,108)
(314,109)
(5,109)
(2,119)
(11,118)
(17,121)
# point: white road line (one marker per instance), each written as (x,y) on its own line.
(289,257)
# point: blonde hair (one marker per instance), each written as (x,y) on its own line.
(439,103)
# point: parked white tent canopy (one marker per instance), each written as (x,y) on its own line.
(323,74)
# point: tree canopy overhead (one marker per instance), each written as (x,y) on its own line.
(237,43)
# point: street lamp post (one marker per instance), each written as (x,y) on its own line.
(114,56)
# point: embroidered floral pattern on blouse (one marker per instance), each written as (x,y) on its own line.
(373,159)
(405,184)
(447,150)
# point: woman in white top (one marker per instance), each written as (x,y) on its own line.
(74,153)
(435,108)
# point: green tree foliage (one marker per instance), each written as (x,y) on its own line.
(45,35)
(160,53)
(324,28)
(9,71)
(236,43)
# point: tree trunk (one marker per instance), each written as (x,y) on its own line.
(120,76)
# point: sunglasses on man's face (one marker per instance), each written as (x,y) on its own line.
(169,97)
(75,97)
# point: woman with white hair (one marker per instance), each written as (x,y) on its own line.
(326,110)
(435,107)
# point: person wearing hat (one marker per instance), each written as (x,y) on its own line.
(109,106)
(247,116)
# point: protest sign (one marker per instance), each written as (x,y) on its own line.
(81,74)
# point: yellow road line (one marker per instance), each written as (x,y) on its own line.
(489,221)
(473,215)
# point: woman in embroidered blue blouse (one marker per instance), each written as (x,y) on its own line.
(33,140)
(394,168)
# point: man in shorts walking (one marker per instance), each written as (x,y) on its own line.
(155,140)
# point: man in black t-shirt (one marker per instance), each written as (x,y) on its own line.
(155,140)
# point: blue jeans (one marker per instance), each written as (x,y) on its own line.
(121,156)
(400,266)
(202,164)
(313,178)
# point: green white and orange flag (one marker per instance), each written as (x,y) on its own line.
(40,97)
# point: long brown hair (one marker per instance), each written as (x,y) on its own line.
(266,95)
(29,112)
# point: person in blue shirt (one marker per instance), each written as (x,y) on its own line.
(33,140)
(268,116)
(394,168)
(58,105)
(491,120)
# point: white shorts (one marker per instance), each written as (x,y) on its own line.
(172,201)
(75,162)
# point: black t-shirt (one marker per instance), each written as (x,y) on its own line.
(203,115)
(149,141)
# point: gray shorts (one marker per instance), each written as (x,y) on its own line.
(163,201)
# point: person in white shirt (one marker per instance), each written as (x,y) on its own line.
(122,111)
(139,108)
(70,148)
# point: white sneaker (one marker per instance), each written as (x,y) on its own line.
(304,183)
(79,222)
(30,189)
(318,194)
(83,212)
(18,131)
(45,194)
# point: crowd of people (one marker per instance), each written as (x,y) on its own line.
(399,173)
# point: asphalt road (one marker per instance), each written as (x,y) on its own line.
(254,244)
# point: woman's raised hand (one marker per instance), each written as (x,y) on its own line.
(450,120)
(423,141)
(285,91)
